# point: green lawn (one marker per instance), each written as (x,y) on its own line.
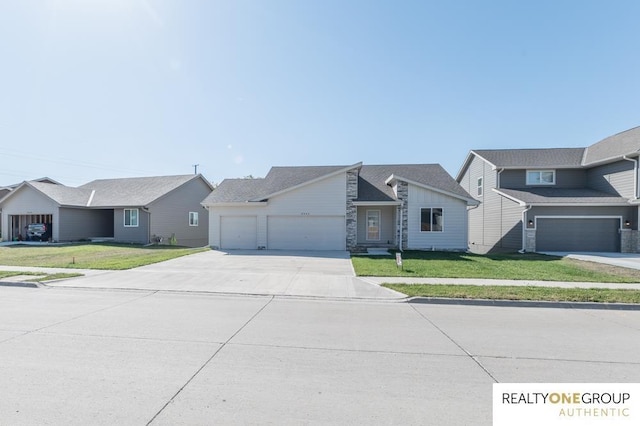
(555,294)
(515,266)
(91,256)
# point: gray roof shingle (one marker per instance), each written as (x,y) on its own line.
(63,195)
(139,191)
(372,187)
(564,196)
(549,157)
(623,143)
(371,182)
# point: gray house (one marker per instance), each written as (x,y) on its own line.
(414,206)
(136,210)
(559,199)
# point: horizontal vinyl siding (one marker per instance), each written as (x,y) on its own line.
(454,235)
(82,224)
(511,224)
(478,168)
(615,178)
(170,215)
(131,234)
(565,178)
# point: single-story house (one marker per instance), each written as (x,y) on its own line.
(556,199)
(410,206)
(134,210)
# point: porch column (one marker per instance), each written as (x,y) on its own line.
(351,210)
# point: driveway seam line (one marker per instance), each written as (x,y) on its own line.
(215,353)
(469,354)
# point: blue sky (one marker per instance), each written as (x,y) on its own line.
(115,88)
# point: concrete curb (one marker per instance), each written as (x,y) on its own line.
(525,303)
(25,284)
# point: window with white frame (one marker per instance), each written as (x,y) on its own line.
(541,177)
(431,219)
(130,218)
(480,186)
(193,218)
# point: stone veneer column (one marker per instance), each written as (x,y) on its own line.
(628,241)
(402,193)
(352,211)
(529,240)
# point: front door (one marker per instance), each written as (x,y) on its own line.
(373,225)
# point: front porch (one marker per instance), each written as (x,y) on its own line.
(378,226)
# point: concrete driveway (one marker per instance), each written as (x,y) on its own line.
(254,272)
(625,260)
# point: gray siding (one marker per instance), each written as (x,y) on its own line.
(511,224)
(387,225)
(138,234)
(170,215)
(82,224)
(615,178)
(496,224)
(565,178)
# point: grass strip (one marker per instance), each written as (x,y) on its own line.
(91,255)
(552,294)
(512,266)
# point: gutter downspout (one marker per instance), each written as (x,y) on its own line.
(498,178)
(400,239)
(524,229)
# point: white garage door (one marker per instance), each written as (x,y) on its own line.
(238,232)
(306,233)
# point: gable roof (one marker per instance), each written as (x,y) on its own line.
(372,182)
(108,193)
(518,158)
(614,147)
(138,191)
(278,180)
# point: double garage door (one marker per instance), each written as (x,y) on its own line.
(578,234)
(284,232)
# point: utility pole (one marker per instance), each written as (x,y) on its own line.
(195,169)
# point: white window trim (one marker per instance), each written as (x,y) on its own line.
(480,187)
(540,171)
(195,222)
(124,218)
(431,219)
(379,225)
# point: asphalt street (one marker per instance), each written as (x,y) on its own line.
(138,357)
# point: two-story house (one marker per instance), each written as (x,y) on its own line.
(558,199)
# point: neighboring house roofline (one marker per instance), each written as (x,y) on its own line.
(166,194)
(26,183)
(309,182)
(565,204)
(470,201)
(467,162)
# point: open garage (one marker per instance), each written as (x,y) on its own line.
(597,234)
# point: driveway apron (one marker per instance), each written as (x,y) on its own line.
(326,274)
